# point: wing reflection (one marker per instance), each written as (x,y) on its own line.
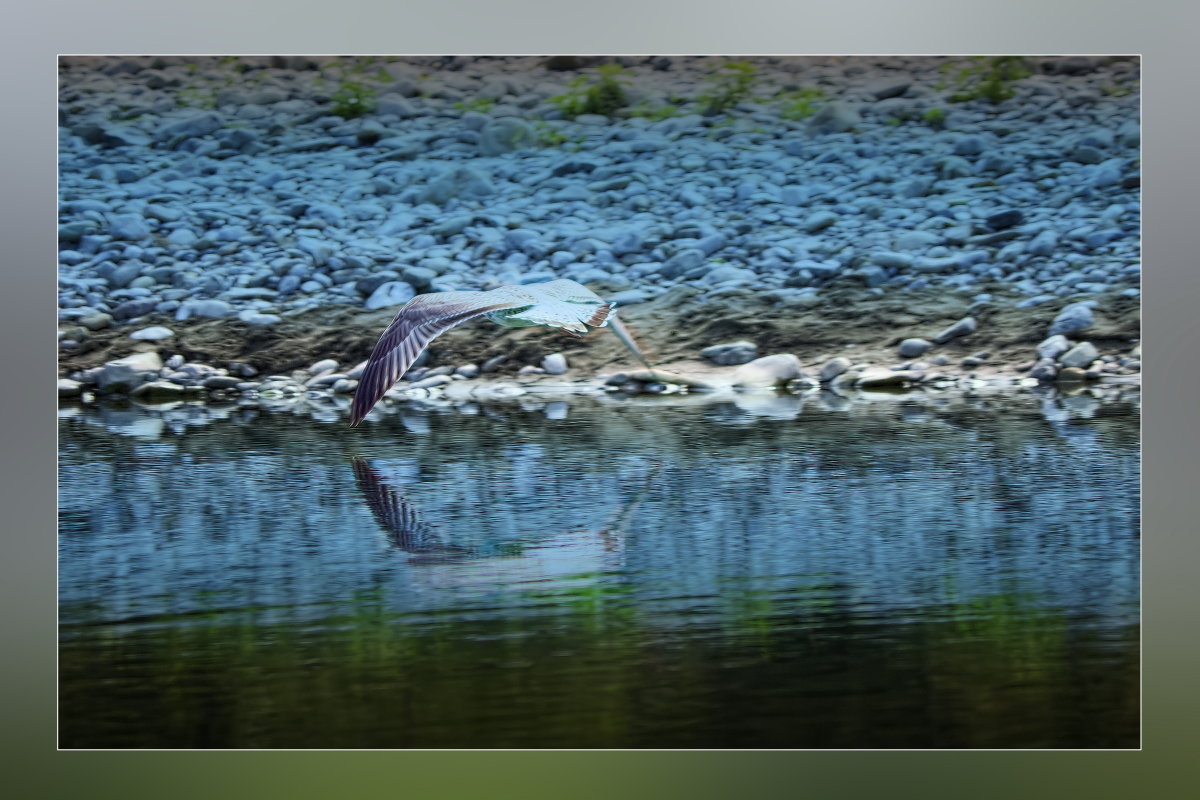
(400,519)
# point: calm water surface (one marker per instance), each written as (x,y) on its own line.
(777,572)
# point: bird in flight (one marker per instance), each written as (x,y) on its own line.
(561,304)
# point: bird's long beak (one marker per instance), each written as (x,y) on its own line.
(622,333)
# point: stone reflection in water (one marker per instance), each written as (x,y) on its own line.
(759,570)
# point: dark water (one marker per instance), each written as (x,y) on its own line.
(783,573)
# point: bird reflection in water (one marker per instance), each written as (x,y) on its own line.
(570,554)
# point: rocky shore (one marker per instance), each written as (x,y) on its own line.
(237,229)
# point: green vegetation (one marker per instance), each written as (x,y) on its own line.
(800,104)
(987,78)
(547,136)
(655,113)
(603,95)
(732,82)
(235,63)
(481,104)
(935,118)
(352,99)
(194,97)
(986,671)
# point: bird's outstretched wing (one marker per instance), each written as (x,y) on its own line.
(414,327)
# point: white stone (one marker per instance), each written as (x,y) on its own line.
(555,364)
(768,370)
(155,333)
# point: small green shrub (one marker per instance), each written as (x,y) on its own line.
(547,136)
(603,96)
(352,99)
(196,98)
(934,118)
(988,78)
(480,104)
(800,104)
(731,84)
(656,113)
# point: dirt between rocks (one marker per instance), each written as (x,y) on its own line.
(846,321)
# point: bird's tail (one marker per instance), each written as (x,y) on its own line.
(622,333)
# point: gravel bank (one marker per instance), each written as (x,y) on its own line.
(220,215)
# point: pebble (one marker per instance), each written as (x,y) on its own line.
(913,348)
(876,377)
(158,391)
(554,364)
(769,370)
(209,309)
(818,221)
(1043,244)
(1044,370)
(1053,346)
(220,382)
(730,354)
(96,322)
(429,383)
(964,326)
(392,293)
(493,363)
(1073,318)
(833,368)
(324,365)
(123,374)
(155,333)
(258,320)
(1004,219)
(1081,355)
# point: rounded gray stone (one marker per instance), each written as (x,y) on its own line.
(555,364)
(1054,346)
(1075,317)
(392,293)
(768,370)
(832,368)
(1081,355)
(912,348)
(155,333)
(730,354)
(963,327)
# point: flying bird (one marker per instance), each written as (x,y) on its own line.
(561,304)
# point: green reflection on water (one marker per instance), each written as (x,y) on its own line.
(992,672)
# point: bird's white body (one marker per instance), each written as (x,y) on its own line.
(556,304)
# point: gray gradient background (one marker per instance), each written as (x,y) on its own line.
(1162,31)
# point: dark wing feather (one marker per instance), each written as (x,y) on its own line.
(415,326)
(399,518)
